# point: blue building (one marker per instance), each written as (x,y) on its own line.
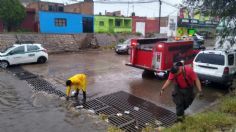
(64,23)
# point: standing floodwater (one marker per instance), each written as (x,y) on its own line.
(22,110)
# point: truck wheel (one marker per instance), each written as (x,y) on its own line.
(148,74)
(163,75)
(166,75)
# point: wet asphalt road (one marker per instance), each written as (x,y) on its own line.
(107,73)
(23,110)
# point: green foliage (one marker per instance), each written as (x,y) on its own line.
(228,105)
(12,13)
(220,8)
(205,122)
(114,129)
(223,9)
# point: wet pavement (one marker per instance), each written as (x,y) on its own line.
(23,110)
(107,73)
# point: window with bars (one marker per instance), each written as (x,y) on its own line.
(60,22)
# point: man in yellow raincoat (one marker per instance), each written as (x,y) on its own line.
(77,82)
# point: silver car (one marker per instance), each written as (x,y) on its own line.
(123,47)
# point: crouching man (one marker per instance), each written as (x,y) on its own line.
(77,82)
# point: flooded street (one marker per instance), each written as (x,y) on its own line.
(23,110)
(107,73)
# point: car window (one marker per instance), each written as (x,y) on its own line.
(18,50)
(127,41)
(215,59)
(231,59)
(32,48)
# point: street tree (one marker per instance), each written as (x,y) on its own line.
(12,13)
(223,9)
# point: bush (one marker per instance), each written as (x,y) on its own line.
(205,122)
(228,105)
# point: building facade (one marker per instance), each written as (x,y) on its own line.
(46,6)
(146,25)
(190,22)
(112,24)
(62,23)
(86,7)
(28,24)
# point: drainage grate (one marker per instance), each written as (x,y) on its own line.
(141,111)
(38,83)
(115,105)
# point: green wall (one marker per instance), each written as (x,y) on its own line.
(112,24)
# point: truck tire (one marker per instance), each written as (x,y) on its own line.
(162,77)
(147,74)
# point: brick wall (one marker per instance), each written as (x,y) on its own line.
(83,7)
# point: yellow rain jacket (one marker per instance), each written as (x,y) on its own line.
(79,81)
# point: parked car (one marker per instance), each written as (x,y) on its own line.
(217,66)
(23,53)
(123,47)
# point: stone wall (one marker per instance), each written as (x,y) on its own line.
(56,43)
(111,39)
(52,42)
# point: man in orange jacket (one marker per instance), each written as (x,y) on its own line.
(77,82)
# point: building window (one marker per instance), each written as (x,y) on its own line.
(118,22)
(127,23)
(101,23)
(60,22)
(61,9)
(50,8)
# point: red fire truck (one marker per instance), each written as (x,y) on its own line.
(158,55)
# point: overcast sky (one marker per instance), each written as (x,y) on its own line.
(148,9)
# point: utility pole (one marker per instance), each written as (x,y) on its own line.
(159,25)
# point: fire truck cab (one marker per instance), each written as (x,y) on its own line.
(157,55)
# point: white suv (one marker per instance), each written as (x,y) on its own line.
(217,66)
(23,53)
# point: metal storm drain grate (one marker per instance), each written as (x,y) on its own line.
(130,113)
(123,110)
(38,83)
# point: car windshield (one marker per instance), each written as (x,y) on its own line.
(7,49)
(126,41)
(215,59)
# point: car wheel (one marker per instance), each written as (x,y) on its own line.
(4,64)
(42,60)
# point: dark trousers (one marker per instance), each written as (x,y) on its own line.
(183,98)
(77,93)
